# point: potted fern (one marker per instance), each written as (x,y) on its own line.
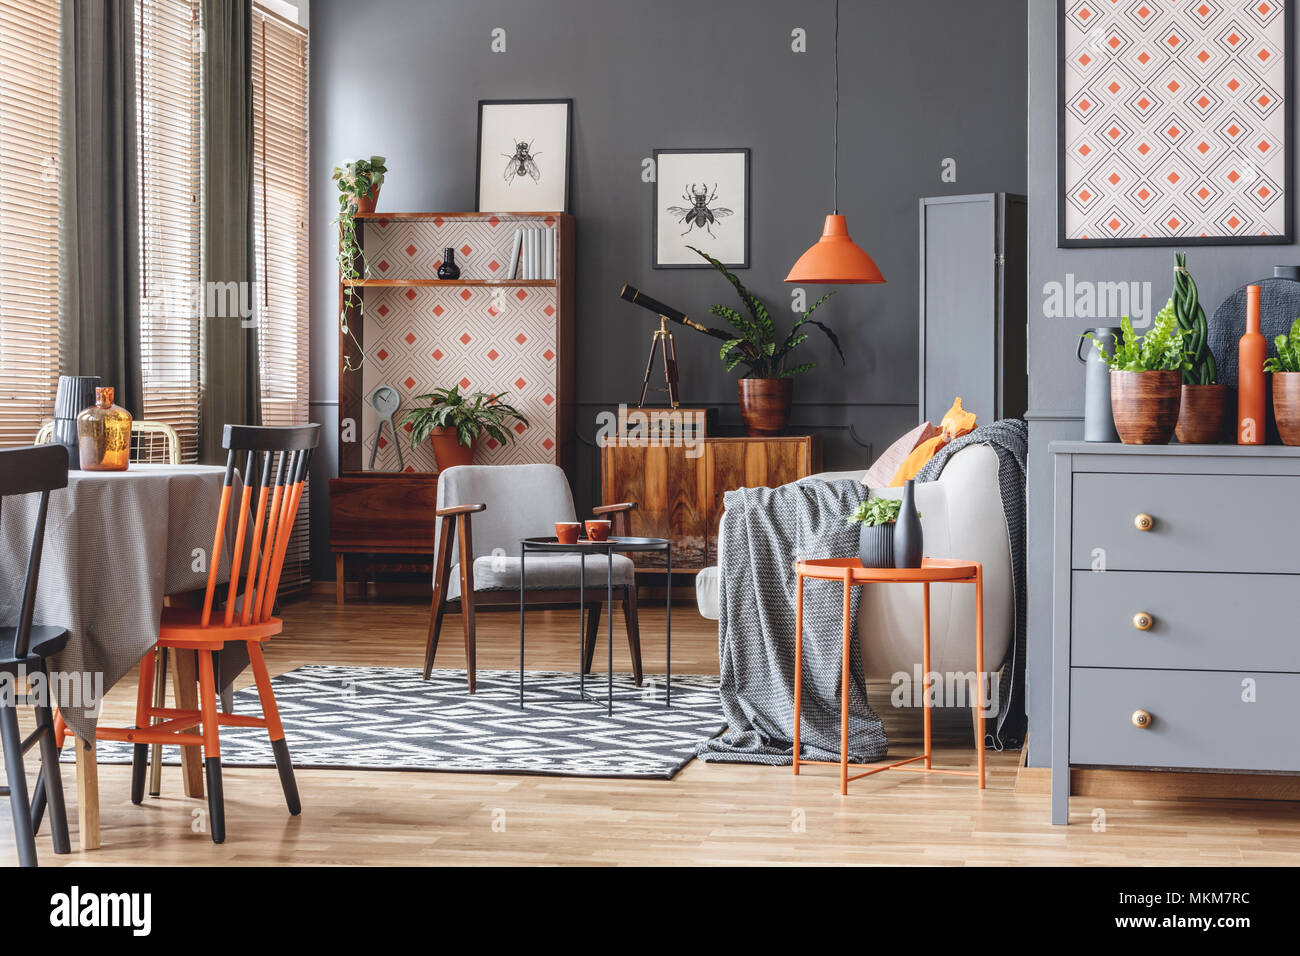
(1203,410)
(1285,367)
(767,387)
(358,185)
(1146,379)
(877,518)
(453,422)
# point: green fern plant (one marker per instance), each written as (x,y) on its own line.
(1162,349)
(1288,352)
(757,344)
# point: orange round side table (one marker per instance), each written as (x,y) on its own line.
(851,573)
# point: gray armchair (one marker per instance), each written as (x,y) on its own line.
(483,512)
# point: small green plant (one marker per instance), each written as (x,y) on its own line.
(1288,352)
(877,511)
(354,179)
(758,346)
(1196,330)
(468,414)
(1162,349)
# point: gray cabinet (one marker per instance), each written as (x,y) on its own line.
(1175,642)
(973,333)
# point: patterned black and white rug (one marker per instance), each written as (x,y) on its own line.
(388,718)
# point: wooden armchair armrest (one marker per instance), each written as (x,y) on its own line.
(460,510)
(614,509)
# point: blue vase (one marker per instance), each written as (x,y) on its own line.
(908,542)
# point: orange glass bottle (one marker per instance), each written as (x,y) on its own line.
(104,434)
(1251,353)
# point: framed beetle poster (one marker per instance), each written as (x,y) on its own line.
(523,155)
(1175,122)
(701,199)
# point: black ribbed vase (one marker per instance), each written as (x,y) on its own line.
(876,545)
(908,542)
(75,394)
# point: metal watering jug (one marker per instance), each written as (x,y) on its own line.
(1098,421)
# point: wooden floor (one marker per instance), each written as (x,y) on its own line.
(710,814)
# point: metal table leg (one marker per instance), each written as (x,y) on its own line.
(523,553)
(668,629)
(582,626)
(609,621)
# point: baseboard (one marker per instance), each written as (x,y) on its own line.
(1163,784)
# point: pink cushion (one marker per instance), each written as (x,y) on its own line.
(882,472)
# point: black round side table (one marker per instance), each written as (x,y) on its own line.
(584,547)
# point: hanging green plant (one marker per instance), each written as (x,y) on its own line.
(358,184)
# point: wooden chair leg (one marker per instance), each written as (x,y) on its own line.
(591,636)
(467,597)
(633,624)
(159,700)
(211,747)
(53,782)
(274,729)
(340,582)
(442,577)
(87,794)
(143,700)
(184,690)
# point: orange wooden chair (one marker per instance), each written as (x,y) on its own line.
(283,455)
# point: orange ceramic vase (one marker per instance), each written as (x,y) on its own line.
(1251,397)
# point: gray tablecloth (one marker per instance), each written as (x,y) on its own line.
(115,543)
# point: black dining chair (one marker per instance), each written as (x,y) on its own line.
(24,650)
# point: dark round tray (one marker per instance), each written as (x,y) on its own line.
(597,547)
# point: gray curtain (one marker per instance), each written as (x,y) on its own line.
(100,287)
(230,377)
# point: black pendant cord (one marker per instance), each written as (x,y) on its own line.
(835,177)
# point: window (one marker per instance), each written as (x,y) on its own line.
(280,155)
(29,216)
(169,160)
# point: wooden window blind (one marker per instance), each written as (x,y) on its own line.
(280,156)
(29,216)
(171,211)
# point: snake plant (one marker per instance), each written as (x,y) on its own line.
(1191,320)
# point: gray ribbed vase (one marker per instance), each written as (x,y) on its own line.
(876,545)
(75,394)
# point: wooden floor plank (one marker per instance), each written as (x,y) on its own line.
(710,814)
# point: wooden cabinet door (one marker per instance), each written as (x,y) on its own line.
(668,488)
(733,463)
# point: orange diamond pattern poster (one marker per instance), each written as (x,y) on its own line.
(1175,122)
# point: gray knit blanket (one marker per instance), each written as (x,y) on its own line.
(765,531)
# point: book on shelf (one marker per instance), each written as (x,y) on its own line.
(513,271)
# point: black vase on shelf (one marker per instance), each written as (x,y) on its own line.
(449,269)
(908,542)
(75,394)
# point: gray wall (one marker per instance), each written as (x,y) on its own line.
(921,81)
(1055,378)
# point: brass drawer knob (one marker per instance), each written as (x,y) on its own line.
(1144,522)
(1143,621)
(1141,719)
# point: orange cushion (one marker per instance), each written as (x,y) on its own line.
(886,466)
(956,422)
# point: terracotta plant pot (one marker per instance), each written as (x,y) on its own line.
(1286,406)
(447,449)
(1202,414)
(765,404)
(366,203)
(1145,405)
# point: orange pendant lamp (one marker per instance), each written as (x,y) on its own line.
(835,259)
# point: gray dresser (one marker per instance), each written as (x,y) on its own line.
(1176,609)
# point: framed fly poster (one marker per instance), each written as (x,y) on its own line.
(1175,121)
(523,155)
(701,199)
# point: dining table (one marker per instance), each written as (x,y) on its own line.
(117,543)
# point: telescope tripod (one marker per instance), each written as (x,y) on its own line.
(670,365)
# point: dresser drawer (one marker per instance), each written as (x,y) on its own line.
(1197,621)
(1241,523)
(1198,719)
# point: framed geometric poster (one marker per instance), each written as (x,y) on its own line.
(1175,122)
(700,198)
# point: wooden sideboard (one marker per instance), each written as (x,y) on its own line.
(381,514)
(679,488)
(1173,618)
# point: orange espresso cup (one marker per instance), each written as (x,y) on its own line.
(598,530)
(566,532)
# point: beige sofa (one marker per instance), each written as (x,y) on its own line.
(961,516)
